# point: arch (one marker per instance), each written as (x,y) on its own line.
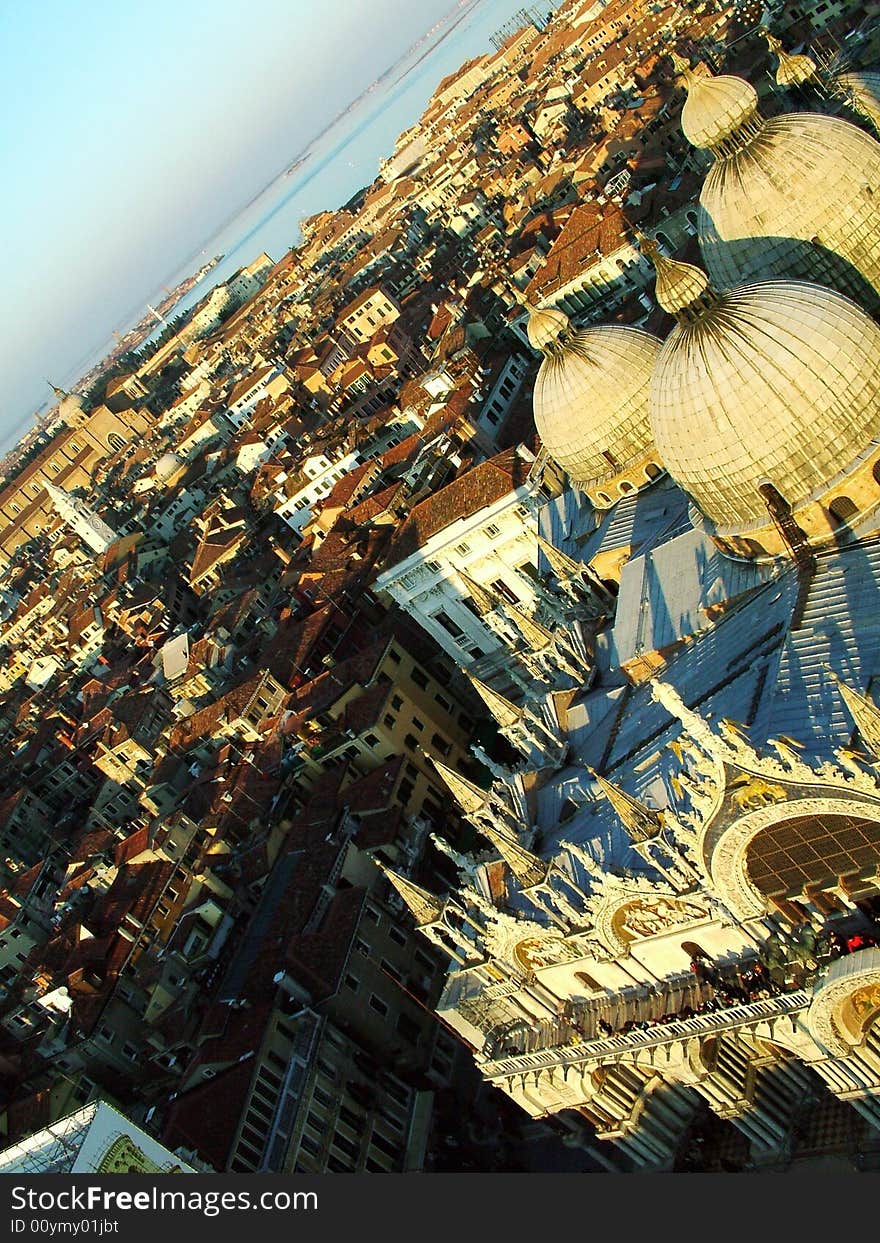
(726,861)
(587,980)
(653,471)
(754,548)
(811,852)
(663,240)
(625,486)
(603,497)
(115,441)
(695,951)
(876,472)
(847,1004)
(843,508)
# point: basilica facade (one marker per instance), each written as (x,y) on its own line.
(674,901)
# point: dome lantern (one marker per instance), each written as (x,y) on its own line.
(682,289)
(791,70)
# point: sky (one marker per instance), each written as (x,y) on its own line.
(130,131)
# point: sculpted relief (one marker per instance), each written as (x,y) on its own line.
(646,917)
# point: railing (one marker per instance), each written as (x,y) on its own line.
(666,1033)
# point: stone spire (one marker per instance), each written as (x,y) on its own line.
(864,713)
(536,636)
(424,906)
(560,563)
(485,599)
(468,796)
(527,868)
(504,712)
(641,822)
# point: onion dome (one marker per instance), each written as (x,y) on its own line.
(716,107)
(796,196)
(546,326)
(775,383)
(862,91)
(167,466)
(790,70)
(591,396)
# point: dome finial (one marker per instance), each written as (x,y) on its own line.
(59,392)
(682,67)
(682,289)
(791,70)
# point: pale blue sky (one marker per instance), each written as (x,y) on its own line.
(130,130)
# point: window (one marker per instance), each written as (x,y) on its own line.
(377,1004)
(420,679)
(417,724)
(843,508)
(444,703)
(352,983)
(448,625)
(411,742)
(408,1028)
(405,791)
(396,703)
(394,655)
(395,935)
(506,592)
(389,721)
(441,744)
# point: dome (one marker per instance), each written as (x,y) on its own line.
(777,382)
(715,107)
(591,396)
(790,70)
(546,325)
(70,405)
(863,94)
(167,465)
(795,196)
(800,201)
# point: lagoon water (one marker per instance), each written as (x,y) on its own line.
(346,158)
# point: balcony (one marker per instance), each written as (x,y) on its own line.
(586,1051)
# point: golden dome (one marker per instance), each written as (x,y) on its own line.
(790,70)
(797,196)
(862,91)
(774,383)
(591,396)
(716,107)
(547,327)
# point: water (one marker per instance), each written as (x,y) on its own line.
(342,162)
